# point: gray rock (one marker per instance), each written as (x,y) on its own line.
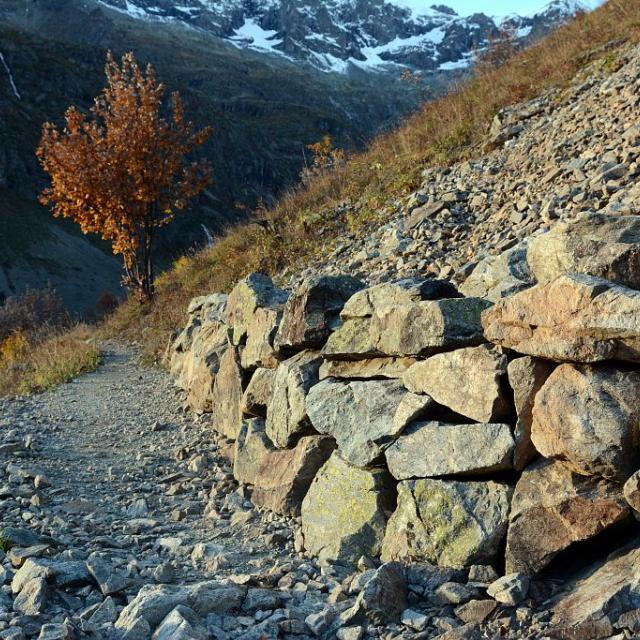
(344,511)
(258,392)
(384,597)
(510,590)
(30,570)
(390,368)
(312,312)
(254,292)
(360,416)
(594,244)
(287,418)
(425,328)
(105,576)
(181,624)
(468,381)
(207,598)
(152,604)
(447,522)
(33,599)
(588,417)
(432,449)
(631,491)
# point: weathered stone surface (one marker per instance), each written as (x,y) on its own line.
(589,418)
(211,308)
(250,449)
(30,570)
(33,598)
(199,366)
(431,449)
(575,318)
(213,597)
(631,492)
(595,244)
(468,381)
(313,311)
(603,595)
(391,368)
(360,415)
(425,328)
(344,511)
(384,597)
(287,418)
(254,292)
(511,589)
(261,331)
(181,624)
(226,398)
(152,604)
(500,276)
(285,475)
(553,508)
(353,340)
(258,392)
(447,522)
(526,377)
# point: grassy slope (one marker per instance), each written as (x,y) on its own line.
(443,132)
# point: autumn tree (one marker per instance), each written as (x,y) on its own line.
(121,170)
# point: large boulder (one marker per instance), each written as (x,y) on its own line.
(313,311)
(287,418)
(553,508)
(226,397)
(595,244)
(425,328)
(526,377)
(352,340)
(251,448)
(254,292)
(468,381)
(447,522)
(432,449)
(599,599)
(500,276)
(575,318)
(259,350)
(361,416)
(344,513)
(589,418)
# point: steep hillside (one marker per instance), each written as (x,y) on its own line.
(263,113)
(339,219)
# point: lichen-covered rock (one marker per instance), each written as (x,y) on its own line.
(589,418)
(258,392)
(595,244)
(390,368)
(254,292)
(425,328)
(553,508)
(526,377)
(352,340)
(575,318)
(313,311)
(361,416)
(500,276)
(447,522)
(287,418)
(226,397)
(344,513)
(468,381)
(432,449)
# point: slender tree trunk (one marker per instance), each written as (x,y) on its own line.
(146,282)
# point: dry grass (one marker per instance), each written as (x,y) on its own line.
(353,195)
(29,367)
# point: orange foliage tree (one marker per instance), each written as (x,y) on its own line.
(121,170)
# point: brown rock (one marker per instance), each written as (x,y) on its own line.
(575,318)
(553,508)
(258,392)
(226,397)
(589,418)
(392,368)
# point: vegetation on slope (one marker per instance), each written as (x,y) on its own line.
(353,195)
